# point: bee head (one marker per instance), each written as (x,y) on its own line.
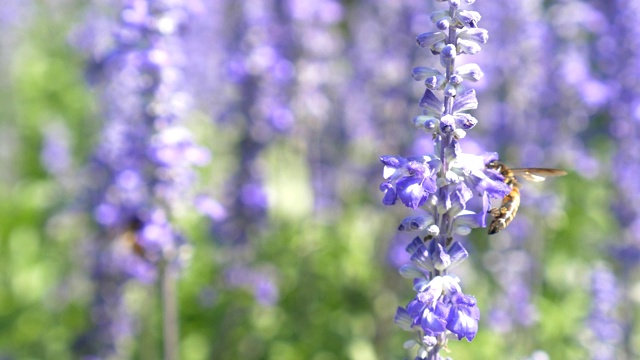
(494,165)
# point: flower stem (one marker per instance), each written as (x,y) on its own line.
(170,331)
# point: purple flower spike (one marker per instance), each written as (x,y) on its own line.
(441,185)
(142,168)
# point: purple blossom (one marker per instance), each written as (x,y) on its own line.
(442,185)
(143,165)
(622,64)
(463,317)
(411,180)
(439,304)
(512,308)
(606,327)
(260,72)
(56,152)
(613,86)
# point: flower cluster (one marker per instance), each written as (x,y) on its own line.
(440,304)
(607,336)
(143,165)
(612,292)
(142,168)
(442,185)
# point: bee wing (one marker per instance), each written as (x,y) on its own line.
(537,174)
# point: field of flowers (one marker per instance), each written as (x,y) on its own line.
(213,179)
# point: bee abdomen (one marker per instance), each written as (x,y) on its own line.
(503,216)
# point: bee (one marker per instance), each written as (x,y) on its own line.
(503,215)
(128,238)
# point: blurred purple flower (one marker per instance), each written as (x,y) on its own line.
(260,281)
(617,60)
(56,149)
(512,267)
(607,329)
(143,166)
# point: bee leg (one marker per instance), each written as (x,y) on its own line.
(494,212)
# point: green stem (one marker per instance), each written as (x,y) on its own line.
(170,332)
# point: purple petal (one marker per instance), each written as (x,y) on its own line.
(432,324)
(390,195)
(462,323)
(393,161)
(465,101)
(457,254)
(411,192)
(430,102)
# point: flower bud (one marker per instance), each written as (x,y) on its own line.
(465,121)
(437,47)
(477,35)
(443,24)
(430,38)
(447,123)
(423,72)
(469,18)
(425,122)
(433,230)
(470,72)
(439,15)
(449,52)
(450,90)
(455,79)
(468,47)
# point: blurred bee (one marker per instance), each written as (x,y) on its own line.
(503,215)
(129,238)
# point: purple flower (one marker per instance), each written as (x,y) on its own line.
(56,152)
(433,321)
(411,180)
(439,304)
(463,317)
(438,307)
(413,190)
(472,171)
(142,168)
(606,326)
(442,185)
(390,195)
(432,256)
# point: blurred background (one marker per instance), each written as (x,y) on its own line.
(288,251)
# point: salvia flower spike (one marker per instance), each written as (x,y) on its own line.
(442,185)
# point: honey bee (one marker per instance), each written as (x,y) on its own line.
(129,238)
(503,215)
